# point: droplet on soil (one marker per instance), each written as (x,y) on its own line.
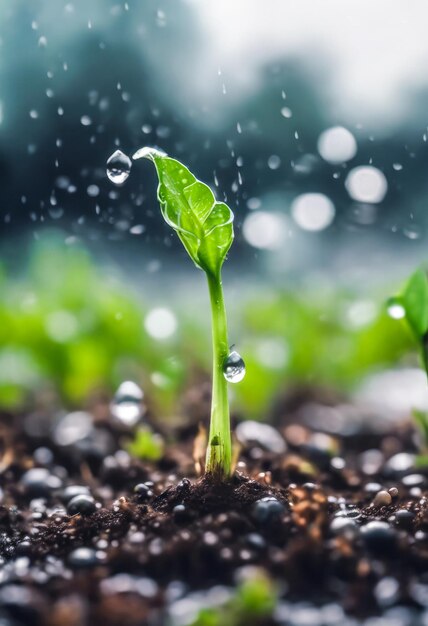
(127,405)
(234,367)
(118,167)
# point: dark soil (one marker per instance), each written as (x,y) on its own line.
(90,536)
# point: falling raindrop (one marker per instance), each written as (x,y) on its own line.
(118,167)
(286,112)
(234,367)
(366,183)
(127,406)
(337,145)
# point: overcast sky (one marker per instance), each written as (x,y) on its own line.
(377,50)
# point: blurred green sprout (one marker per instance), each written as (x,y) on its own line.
(146,445)
(412,306)
(252,603)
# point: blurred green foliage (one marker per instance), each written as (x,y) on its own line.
(254,599)
(146,445)
(331,340)
(69,323)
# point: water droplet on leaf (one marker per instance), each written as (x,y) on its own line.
(234,367)
(118,167)
(395,309)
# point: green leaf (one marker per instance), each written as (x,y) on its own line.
(415,302)
(204,225)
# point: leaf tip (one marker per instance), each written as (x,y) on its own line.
(148,152)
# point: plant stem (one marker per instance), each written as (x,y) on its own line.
(219,451)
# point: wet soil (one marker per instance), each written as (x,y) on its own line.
(338,521)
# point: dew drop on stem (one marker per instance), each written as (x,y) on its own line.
(118,167)
(234,367)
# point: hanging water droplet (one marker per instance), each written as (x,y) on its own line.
(234,367)
(148,153)
(395,309)
(127,406)
(118,167)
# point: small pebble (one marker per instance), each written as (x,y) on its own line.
(343,526)
(43,456)
(400,463)
(373,487)
(143,491)
(393,492)
(382,498)
(404,519)
(379,537)
(256,541)
(181,514)
(83,557)
(39,482)
(74,490)
(266,509)
(81,504)
(413,480)
(265,435)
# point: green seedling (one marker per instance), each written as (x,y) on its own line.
(412,305)
(205,228)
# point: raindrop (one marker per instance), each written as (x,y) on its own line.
(118,167)
(234,367)
(366,184)
(85,120)
(274,162)
(313,211)
(138,229)
(127,406)
(56,213)
(160,323)
(264,230)
(395,309)
(286,112)
(412,231)
(93,191)
(350,512)
(337,145)
(254,204)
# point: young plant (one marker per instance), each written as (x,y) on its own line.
(205,228)
(412,305)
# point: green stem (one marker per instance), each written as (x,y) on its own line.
(219,451)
